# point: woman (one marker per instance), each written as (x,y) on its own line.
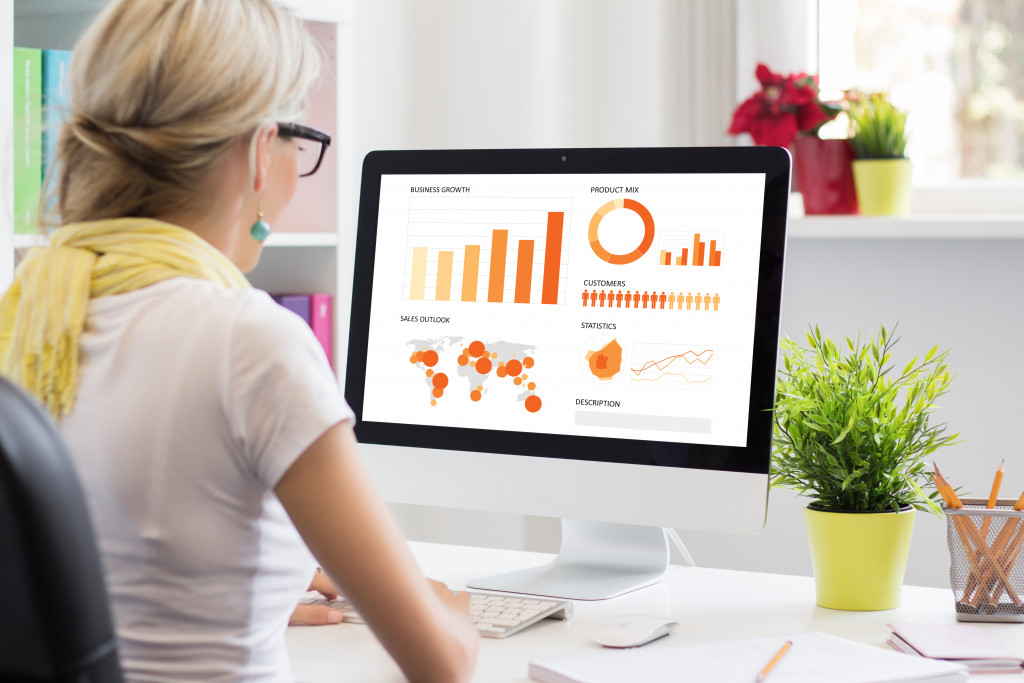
(206,425)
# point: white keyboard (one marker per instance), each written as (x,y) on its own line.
(495,615)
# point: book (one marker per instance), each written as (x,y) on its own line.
(320,320)
(316,310)
(297,304)
(962,643)
(813,658)
(56,99)
(27,120)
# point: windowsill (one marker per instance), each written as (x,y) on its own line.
(918,226)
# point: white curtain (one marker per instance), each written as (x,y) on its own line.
(544,73)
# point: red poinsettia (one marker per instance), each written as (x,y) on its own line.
(785,107)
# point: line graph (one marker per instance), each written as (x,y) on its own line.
(673,365)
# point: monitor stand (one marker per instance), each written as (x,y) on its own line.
(597,561)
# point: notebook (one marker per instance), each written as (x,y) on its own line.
(962,643)
(814,657)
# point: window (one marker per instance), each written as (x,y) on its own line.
(955,66)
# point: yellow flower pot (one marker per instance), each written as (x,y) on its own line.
(859,558)
(883,186)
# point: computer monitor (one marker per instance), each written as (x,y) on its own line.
(589,334)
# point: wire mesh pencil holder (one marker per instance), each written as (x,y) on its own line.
(986,570)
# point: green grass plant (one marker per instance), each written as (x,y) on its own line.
(852,433)
(879,128)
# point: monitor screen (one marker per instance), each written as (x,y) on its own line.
(608,305)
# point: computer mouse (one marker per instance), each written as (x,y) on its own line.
(632,631)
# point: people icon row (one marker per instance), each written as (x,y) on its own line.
(630,299)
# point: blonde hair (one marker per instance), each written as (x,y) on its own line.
(162,89)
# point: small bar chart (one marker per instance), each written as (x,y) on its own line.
(487,249)
(690,250)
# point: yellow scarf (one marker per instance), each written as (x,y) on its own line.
(42,315)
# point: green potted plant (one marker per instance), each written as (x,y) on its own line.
(881,169)
(853,434)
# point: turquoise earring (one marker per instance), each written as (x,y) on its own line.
(260,229)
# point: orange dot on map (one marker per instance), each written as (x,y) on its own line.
(483,365)
(518,380)
(429,372)
(463,359)
(531,386)
(412,358)
(480,387)
(494,354)
(430,358)
(438,392)
(514,367)
(433,402)
(440,380)
(528,362)
(525,376)
(501,371)
(477,349)
(533,403)
(475,395)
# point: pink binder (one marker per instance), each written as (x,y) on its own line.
(320,321)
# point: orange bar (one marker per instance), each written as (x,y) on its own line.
(683,256)
(552,258)
(443,291)
(524,271)
(499,252)
(701,256)
(470,272)
(419,273)
(665,258)
(716,256)
(680,261)
(697,246)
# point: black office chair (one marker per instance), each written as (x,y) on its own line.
(55,621)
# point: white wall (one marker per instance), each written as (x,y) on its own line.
(463,73)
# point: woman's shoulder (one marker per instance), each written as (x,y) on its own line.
(194,293)
(196,302)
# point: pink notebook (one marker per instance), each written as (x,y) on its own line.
(320,321)
(963,643)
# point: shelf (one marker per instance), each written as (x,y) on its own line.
(921,226)
(26,241)
(302,239)
(277,239)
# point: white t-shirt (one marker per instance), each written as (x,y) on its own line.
(193,400)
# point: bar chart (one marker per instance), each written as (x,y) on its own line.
(487,249)
(690,249)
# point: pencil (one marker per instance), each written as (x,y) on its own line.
(993,497)
(775,660)
(1008,542)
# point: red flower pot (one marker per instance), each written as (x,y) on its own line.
(823,171)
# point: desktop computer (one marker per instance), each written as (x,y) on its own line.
(588,334)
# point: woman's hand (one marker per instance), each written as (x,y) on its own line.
(333,502)
(455,601)
(318,615)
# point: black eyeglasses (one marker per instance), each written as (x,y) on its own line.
(311,154)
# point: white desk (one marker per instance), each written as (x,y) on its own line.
(710,604)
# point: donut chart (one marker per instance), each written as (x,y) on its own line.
(645,244)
